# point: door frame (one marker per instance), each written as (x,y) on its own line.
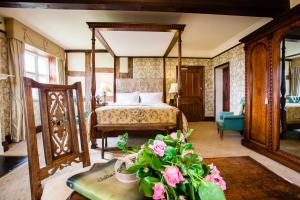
(227,64)
(203,83)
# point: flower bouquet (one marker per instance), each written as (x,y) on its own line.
(168,168)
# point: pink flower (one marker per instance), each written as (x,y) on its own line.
(158,147)
(215,177)
(214,169)
(186,152)
(159,191)
(172,175)
(174,136)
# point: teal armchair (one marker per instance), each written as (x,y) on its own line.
(229,121)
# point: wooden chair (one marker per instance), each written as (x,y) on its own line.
(62,146)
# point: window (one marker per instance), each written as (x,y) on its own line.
(37,67)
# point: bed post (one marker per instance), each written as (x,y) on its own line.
(115,78)
(164,79)
(179,72)
(93,120)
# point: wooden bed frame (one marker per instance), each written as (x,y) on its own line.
(102,131)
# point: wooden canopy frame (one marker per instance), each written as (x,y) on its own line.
(96,27)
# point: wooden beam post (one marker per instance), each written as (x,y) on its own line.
(115,78)
(164,80)
(88,81)
(93,92)
(179,84)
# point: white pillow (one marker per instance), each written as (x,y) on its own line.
(128,98)
(151,98)
(239,110)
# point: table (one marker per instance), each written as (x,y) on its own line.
(246,179)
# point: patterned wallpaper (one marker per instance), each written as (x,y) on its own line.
(171,64)
(4,88)
(236,59)
(152,68)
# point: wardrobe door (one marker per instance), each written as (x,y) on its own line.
(258,89)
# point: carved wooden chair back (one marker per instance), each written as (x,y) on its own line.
(61,143)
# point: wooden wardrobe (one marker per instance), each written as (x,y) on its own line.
(263,88)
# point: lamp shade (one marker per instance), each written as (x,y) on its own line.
(105,87)
(173,88)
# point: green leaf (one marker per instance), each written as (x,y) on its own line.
(187,146)
(196,170)
(133,168)
(146,184)
(156,164)
(122,143)
(178,133)
(188,134)
(170,153)
(144,158)
(210,191)
(183,170)
(169,140)
(143,172)
(136,149)
(159,137)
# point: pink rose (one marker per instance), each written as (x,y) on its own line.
(158,147)
(172,175)
(159,191)
(215,177)
(174,136)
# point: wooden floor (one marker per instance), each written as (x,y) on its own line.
(205,139)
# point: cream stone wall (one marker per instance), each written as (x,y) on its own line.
(5,89)
(236,59)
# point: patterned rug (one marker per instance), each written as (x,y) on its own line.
(247,179)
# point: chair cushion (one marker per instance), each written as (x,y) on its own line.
(56,188)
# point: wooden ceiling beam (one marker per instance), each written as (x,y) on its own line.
(259,8)
(172,44)
(104,43)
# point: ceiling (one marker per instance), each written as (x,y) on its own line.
(205,35)
(138,43)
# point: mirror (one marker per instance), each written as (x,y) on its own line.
(290,93)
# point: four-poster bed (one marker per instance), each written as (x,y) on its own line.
(101,128)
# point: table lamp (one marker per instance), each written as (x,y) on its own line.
(173,90)
(105,87)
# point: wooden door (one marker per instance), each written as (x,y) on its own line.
(192,99)
(258,120)
(226,89)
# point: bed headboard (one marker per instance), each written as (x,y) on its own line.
(140,85)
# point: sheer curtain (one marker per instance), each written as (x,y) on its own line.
(295,81)
(16,53)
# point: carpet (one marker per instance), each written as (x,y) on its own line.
(247,179)
(9,163)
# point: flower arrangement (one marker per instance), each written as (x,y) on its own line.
(168,168)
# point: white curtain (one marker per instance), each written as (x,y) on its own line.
(16,52)
(295,81)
